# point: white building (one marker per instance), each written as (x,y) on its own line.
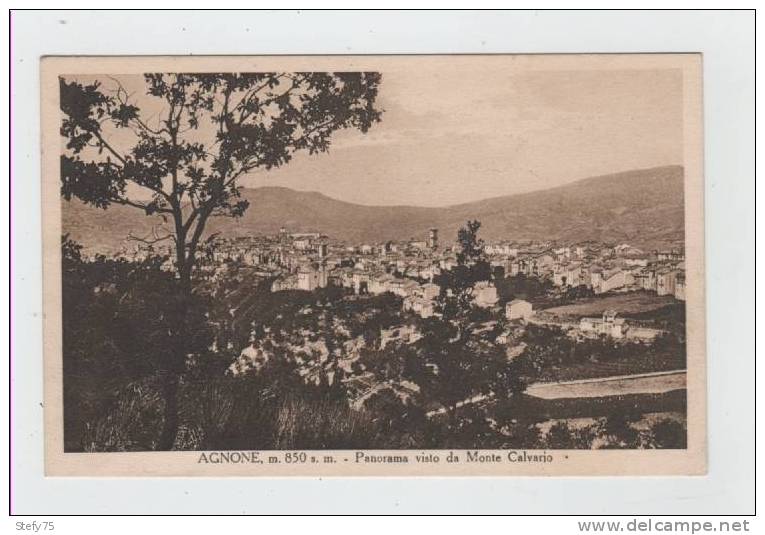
(503,249)
(519,309)
(608,325)
(403,287)
(310,279)
(379,285)
(303,244)
(666,282)
(430,291)
(485,294)
(423,307)
(611,280)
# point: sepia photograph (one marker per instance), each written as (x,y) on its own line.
(382,262)
(360,265)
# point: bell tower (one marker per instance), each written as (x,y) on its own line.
(433,238)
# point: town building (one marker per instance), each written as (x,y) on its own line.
(608,325)
(423,307)
(310,278)
(430,291)
(518,309)
(485,294)
(569,275)
(672,255)
(680,287)
(361,281)
(666,281)
(433,239)
(380,284)
(609,280)
(645,279)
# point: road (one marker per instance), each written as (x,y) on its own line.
(642,383)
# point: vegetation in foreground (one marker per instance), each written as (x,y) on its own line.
(118,315)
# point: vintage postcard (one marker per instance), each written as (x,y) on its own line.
(469,265)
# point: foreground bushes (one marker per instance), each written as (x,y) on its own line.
(261,413)
(230,413)
(124,326)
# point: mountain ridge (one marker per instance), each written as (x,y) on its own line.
(644,207)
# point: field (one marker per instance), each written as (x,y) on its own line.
(628,303)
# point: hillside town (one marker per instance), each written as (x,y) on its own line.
(411,271)
(308,261)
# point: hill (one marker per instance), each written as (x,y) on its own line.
(642,207)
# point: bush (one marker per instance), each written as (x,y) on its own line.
(668,434)
(133,424)
(561,436)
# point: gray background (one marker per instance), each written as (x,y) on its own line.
(727,41)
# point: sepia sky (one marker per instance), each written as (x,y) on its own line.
(459,135)
(447,138)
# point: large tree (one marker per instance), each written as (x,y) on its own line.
(180,150)
(212,130)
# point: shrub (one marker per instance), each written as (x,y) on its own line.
(669,434)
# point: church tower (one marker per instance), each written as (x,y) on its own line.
(433,238)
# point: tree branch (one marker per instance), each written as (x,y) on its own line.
(242,106)
(108,147)
(155,238)
(124,101)
(144,207)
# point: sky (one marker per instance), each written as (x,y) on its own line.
(449,136)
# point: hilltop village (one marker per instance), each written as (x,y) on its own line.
(527,284)
(417,329)
(308,261)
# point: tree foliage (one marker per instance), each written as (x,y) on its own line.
(121,322)
(212,130)
(456,357)
(472,267)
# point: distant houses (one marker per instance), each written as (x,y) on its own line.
(409,268)
(606,281)
(608,325)
(612,326)
(666,282)
(672,255)
(570,274)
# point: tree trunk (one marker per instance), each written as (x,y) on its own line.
(174,368)
(172,374)
(170,425)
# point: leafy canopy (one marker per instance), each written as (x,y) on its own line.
(212,129)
